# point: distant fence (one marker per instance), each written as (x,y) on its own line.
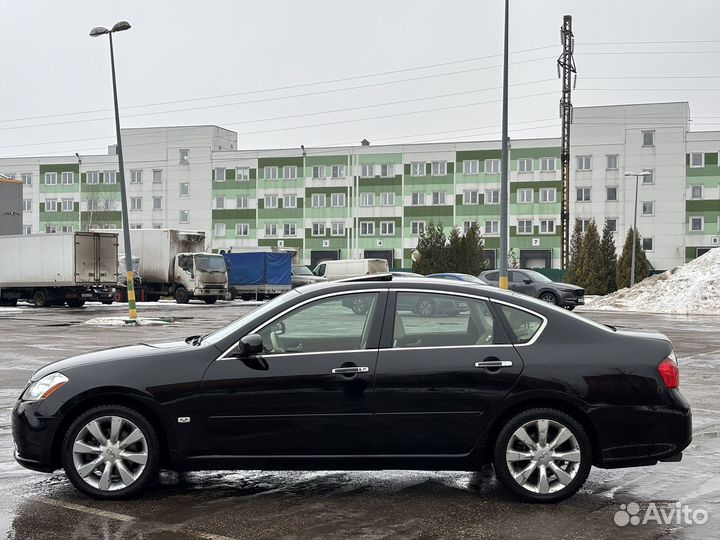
(556,274)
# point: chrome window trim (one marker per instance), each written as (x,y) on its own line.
(443,347)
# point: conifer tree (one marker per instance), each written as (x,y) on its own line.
(431,246)
(590,273)
(571,275)
(642,266)
(609,258)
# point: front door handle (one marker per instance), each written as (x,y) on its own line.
(493,364)
(350,369)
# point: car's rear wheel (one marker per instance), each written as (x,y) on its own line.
(542,455)
(111,452)
(549,298)
(359,305)
(425,307)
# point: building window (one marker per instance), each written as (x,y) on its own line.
(135,203)
(241,201)
(492,196)
(387,228)
(157,225)
(93,204)
(110,204)
(612,162)
(318,172)
(697,223)
(547,226)
(219,229)
(417,228)
(93,177)
(525,165)
(439,197)
(648,244)
(220,202)
(184,216)
(470,196)
(492,227)
(584,224)
(337,200)
(584,163)
(242,229)
(27,229)
(337,228)
(337,171)
(68,178)
(650,178)
(290,200)
(387,198)
(548,195)
(109,177)
(318,200)
(27,205)
(611,193)
(367,170)
(289,172)
(50,178)
(367,199)
(50,229)
(648,208)
(387,170)
(697,159)
(270,173)
(157,176)
(271,229)
(242,174)
(157,203)
(439,168)
(70,228)
(367,228)
(492,166)
(467,225)
(648,138)
(417,168)
(524,195)
(417,199)
(547,164)
(184,189)
(318,229)
(471,166)
(583,194)
(271,201)
(289,229)
(136,176)
(696,192)
(612,224)
(26,179)
(67,205)
(185,157)
(525,226)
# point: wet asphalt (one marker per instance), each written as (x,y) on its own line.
(368,505)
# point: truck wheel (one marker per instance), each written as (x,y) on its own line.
(106,302)
(247,297)
(230,295)
(75,302)
(40,298)
(181,295)
(210,299)
(153,297)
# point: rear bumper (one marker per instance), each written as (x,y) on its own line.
(33,435)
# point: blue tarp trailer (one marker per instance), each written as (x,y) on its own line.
(253,275)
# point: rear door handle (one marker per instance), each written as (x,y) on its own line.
(493,364)
(350,369)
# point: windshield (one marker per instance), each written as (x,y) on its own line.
(210,263)
(302,271)
(537,276)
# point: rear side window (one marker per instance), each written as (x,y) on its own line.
(492,276)
(320,271)
(523,325)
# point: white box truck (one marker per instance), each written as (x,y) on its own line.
(57,269)
(175,263)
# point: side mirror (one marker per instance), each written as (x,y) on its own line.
(250,345)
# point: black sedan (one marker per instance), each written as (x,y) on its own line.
(540,286)
(304,383)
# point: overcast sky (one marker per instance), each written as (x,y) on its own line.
(285,73)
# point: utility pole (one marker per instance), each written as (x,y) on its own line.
(566,69)
(503,278)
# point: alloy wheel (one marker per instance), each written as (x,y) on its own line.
(549,297)
(425,307)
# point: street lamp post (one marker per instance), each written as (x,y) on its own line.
(637,176)
(132,307)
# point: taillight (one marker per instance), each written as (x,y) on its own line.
(669,372)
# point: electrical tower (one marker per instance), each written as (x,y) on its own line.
(566,69)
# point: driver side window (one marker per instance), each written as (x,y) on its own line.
(339,323)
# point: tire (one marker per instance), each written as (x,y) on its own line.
(106,302)
(569,308)
(181,295)
(76,302)
(247,297)
(40,298)
(140,470)
(359,305)
(565,476)
(210,299)
(230,295)
(425,307)
(152,297)
(548,297)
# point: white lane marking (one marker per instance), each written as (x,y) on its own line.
(86,510)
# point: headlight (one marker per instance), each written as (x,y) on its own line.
(44,387)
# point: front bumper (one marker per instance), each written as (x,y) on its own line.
(569,299)
(209,292)
(34,435)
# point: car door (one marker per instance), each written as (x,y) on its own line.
(309,392)
(521,282)
(438,378)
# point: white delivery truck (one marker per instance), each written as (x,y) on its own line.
(54,269)
(175,263)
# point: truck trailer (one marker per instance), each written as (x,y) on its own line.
(258,275)
(57,269)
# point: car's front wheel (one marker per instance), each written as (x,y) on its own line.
(542,455)
(111,452)
(359,305)
(549,297)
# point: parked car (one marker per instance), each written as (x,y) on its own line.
(536,284)
(302,275)
(303,383)
(348,268)
(468,278)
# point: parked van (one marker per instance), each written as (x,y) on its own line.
(348,268)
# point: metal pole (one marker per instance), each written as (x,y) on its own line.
(132,307)
(632,264)
(503,280)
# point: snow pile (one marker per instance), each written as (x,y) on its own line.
(693,287)
(125,321)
